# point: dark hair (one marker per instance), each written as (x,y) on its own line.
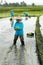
(11,19)
(18,19)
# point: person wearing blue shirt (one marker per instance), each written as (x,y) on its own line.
(18,27)
(26,14)
(12,13)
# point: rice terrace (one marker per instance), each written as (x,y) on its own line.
(32,18)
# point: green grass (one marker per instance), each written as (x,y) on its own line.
(32,10)
(39,41)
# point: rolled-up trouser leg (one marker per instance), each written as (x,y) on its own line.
(15,39)
(22,40)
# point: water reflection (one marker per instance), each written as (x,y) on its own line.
(19,55)
(16,56)
(22,56)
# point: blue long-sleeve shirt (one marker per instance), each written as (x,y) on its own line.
(26,14)
(12,13)
(18,32)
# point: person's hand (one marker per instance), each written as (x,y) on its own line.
(17,28)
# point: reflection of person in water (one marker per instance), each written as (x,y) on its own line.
(22,56)
(18,27)
(19,55)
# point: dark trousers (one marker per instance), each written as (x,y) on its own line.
(21,39)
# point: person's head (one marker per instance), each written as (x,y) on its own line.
(18,19)
(11,19)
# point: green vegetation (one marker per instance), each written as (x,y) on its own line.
(32,10)
(39,42)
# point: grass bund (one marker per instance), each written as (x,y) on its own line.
(32,10)
(39,42)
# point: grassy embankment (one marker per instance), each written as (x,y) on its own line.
(32,10)
(39,42)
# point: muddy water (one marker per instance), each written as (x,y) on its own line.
(18,55)
(41,23)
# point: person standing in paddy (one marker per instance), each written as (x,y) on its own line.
(18,27)
(12,17)
(26,15)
